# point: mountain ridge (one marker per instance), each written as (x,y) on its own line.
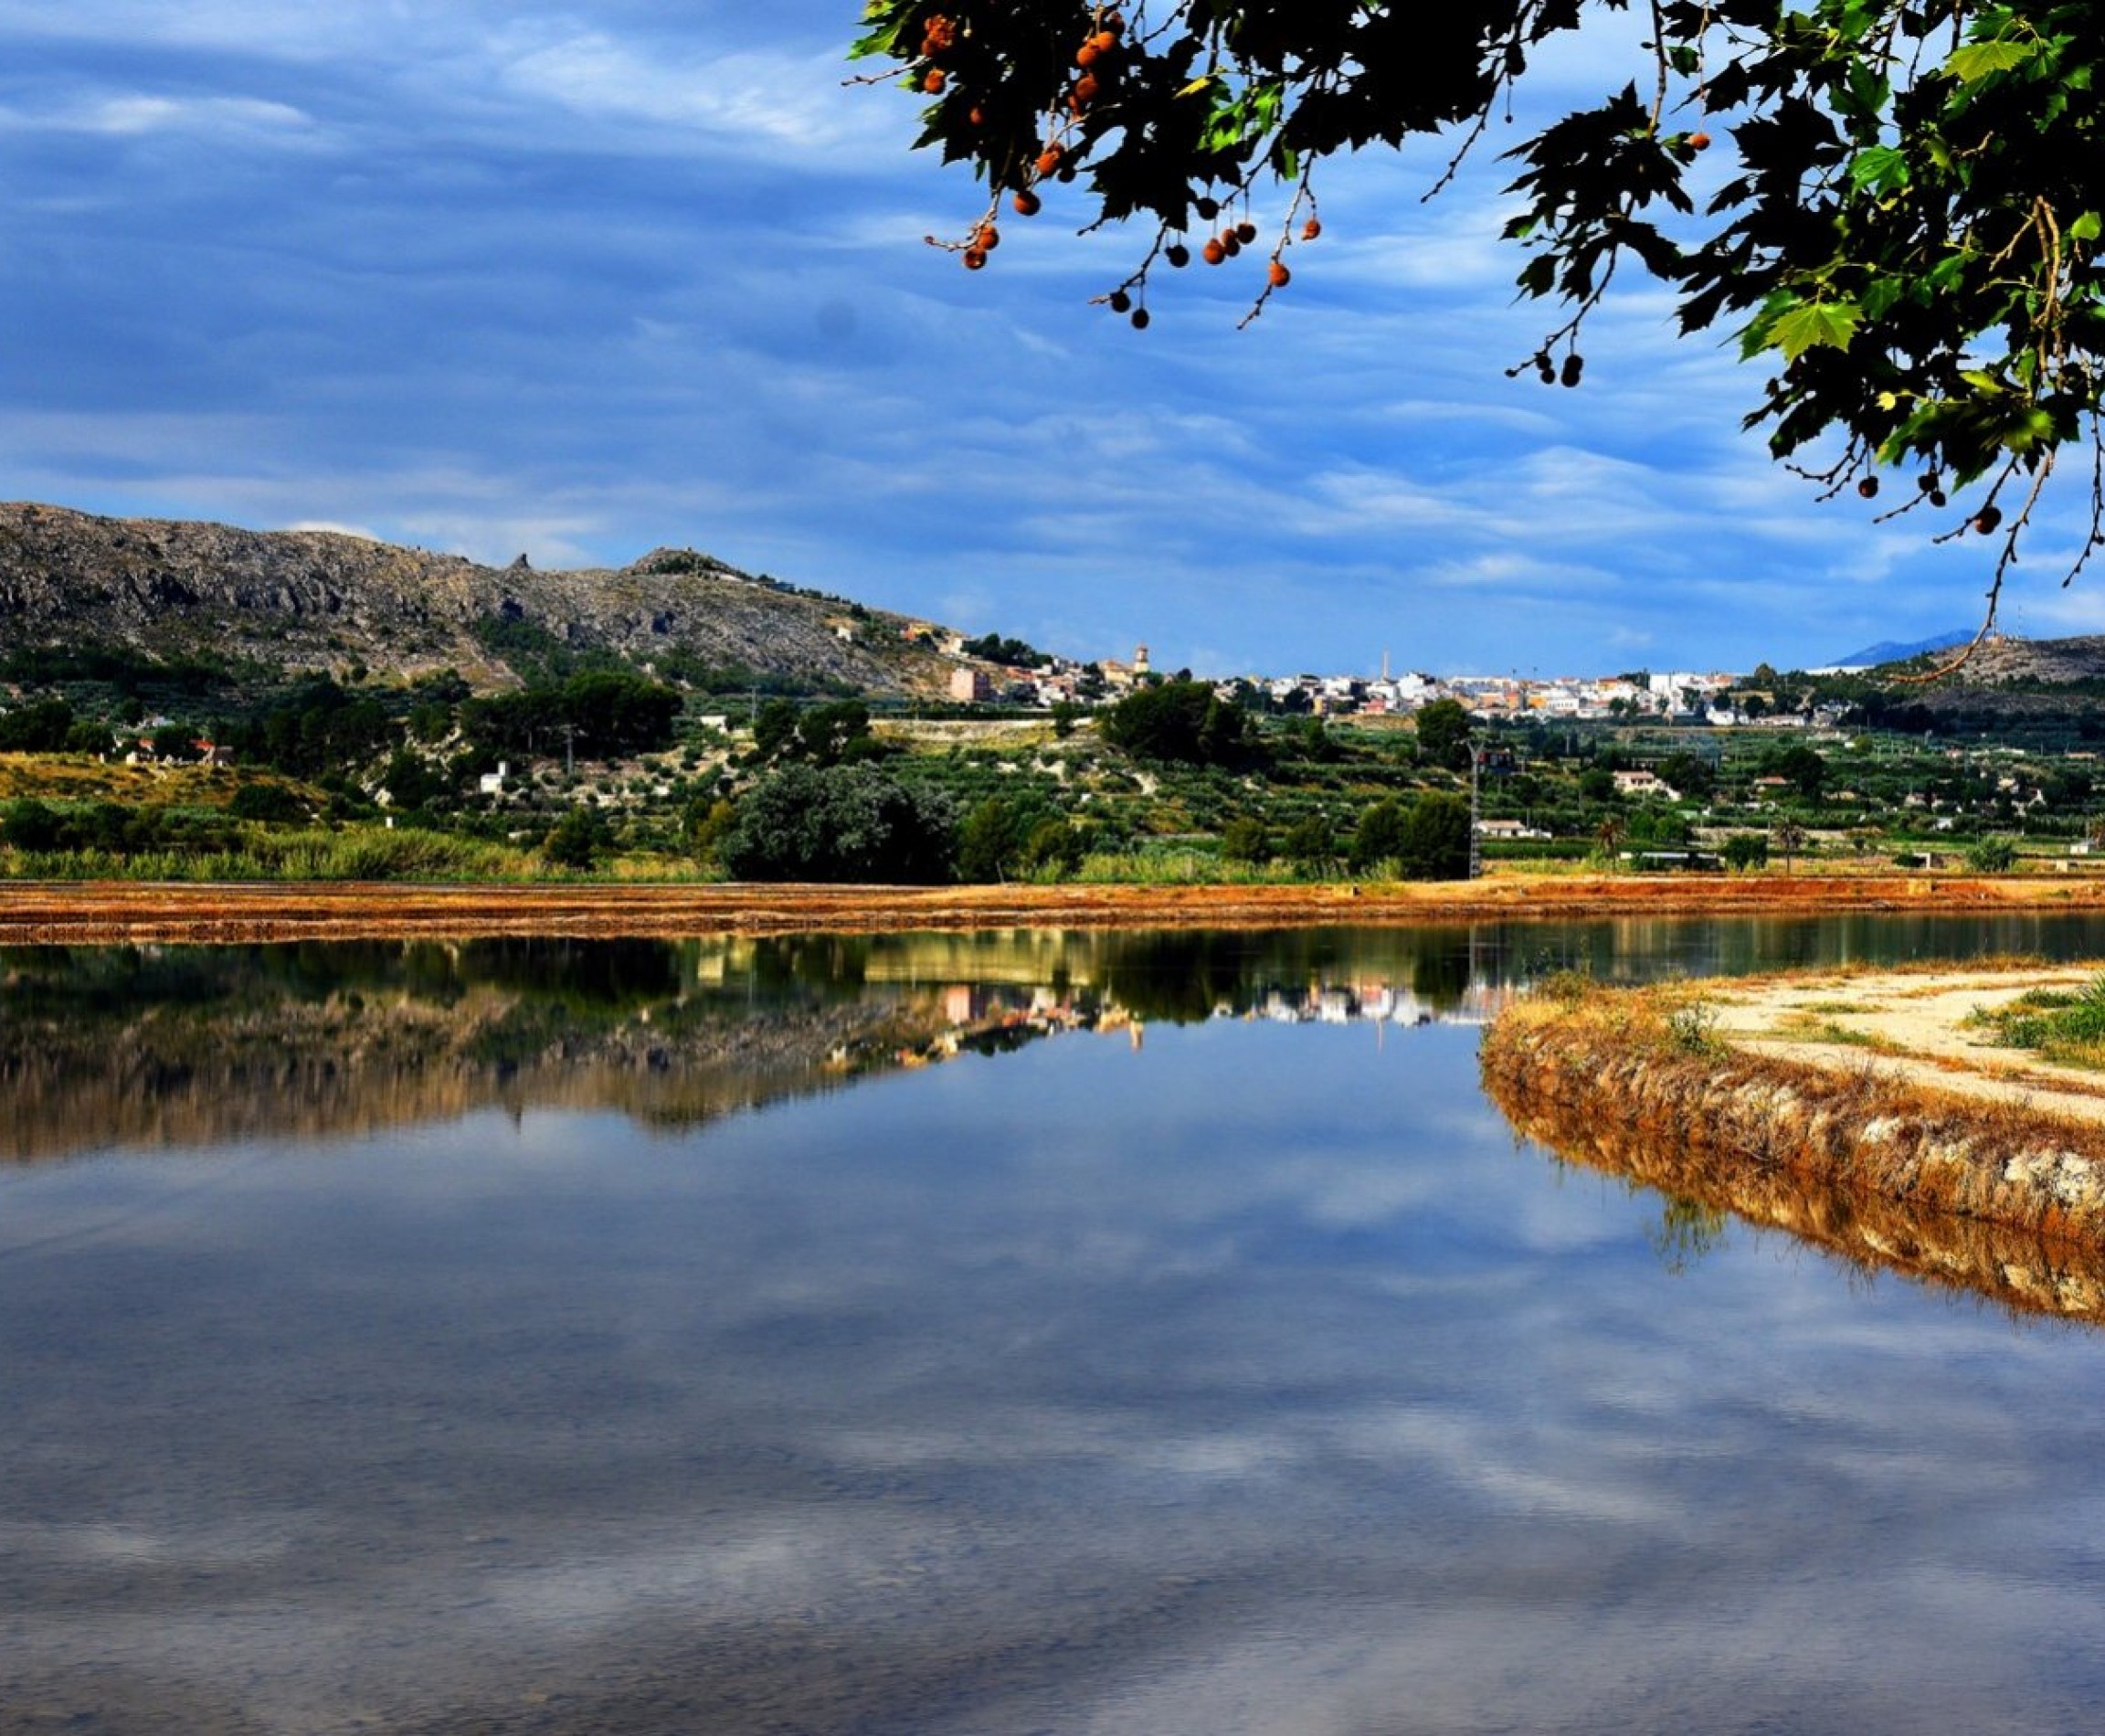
(1887,651)
(325,599)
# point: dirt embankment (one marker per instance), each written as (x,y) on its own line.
(69,911)
(1858,1110)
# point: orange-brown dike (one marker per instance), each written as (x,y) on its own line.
(1900,1156)
(41,912)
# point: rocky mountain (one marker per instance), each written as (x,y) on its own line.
(2054,662)
(2040,692)
(313,599)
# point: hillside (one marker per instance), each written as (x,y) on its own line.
(311,599)
(2034,693)
(2050,662)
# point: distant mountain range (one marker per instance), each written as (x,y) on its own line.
(1887,651)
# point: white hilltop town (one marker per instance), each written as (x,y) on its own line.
(1719,698)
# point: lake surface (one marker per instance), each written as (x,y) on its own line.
(949,1333)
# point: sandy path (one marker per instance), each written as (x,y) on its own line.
(1915,1024)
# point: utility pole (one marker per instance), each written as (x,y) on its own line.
(1476,841)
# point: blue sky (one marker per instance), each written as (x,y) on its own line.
(582,281)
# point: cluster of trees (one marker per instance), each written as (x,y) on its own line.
(857,823)
(1427,839)
(995,649)
(131,673)
(830,735)
(1011,838)
(49,727)
(597,714)
(317,728)
(1182,721)
(116,829)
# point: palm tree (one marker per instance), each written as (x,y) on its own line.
(1789,838)
(1610,837)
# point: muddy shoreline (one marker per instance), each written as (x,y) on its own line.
(57,913)
(1891,1142)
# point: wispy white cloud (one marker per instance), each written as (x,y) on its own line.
(756,102)
(138,114)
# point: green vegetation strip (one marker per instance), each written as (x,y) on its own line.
(2066,1026)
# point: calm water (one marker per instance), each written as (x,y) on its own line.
(969,1334)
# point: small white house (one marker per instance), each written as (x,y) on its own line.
(1645,783)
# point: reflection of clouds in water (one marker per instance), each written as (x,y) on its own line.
(171,1544)
(759,1567)
(1255,1382)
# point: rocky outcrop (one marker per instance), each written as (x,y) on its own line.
(2054,661)
(317,599)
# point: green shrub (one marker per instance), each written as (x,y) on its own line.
(1053,850)
(1434,843)
(852,823)
(1244,839)
(1992,856)
(1311,844)
(271,803)
(578,840)
(28,824)
(1380,836)
(1746,850)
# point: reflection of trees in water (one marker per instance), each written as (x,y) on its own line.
(1176,978)
(1687,1231)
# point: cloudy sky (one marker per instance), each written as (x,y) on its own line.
(583,281)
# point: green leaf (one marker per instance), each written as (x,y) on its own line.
(1976,60)
(2084,228)
(1882,169)
(888,21)
(1811,325)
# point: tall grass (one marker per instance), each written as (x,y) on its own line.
(365,853)
(1174,867)
(2056,1024)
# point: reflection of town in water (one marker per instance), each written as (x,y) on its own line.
(976,1012)
(997,991)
